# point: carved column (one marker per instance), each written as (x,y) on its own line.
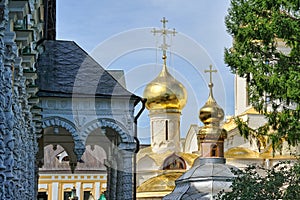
(17,128)
(3,21)
(120,172)
(8,136)
(108,171)
(113,179)
(112,165)
(127,174)
(79,149)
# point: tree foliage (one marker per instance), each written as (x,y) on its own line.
(280,182)
(259,29)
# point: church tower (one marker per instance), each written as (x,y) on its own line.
(209,174)
(166,97)
(211,136)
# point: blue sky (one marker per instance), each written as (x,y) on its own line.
(118,35)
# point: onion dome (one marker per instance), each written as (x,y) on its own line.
(211,112)
(165,92)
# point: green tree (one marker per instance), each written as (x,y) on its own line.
(280,182)
(258,27)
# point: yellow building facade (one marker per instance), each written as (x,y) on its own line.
(56,180)
(60,186)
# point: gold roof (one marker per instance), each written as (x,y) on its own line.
(241,152)
(250,111)
(229,125)
(188,157)
(165,92)
(269,154)
(164,182)
(211,112)
(245,153)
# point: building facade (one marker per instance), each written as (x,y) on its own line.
(84,105)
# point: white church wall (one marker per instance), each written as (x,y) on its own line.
(241,96)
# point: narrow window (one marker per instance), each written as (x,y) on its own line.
(67,195)
(213,152)
(167,130)
(152,131)
(86,195)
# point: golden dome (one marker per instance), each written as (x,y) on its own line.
(211,112)
(162,182)
(165,92)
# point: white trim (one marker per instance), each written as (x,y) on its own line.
(43,186)
(55,191)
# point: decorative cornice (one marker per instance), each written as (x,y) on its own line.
(59,121)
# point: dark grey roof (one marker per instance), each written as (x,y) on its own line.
(119,76)
(65,69)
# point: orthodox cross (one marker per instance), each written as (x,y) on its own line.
(164,32)
(210,72)
(210,85)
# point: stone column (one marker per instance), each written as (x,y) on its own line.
(111,166)
(113,180)
(127,174)
(120,185)
(10,119)
(3,22)
(18,127)
(108,180)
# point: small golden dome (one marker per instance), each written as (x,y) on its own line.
(165,92)
(211,112)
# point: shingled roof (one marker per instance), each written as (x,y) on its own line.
(64,69)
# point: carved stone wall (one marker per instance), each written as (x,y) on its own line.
(18,122)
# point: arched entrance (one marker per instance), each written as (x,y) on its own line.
(102,148)
(119,146)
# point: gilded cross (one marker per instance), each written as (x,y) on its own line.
(164,32)
(210,73)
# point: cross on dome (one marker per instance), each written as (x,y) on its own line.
(164,32)
(210,84)
(210,73)
(165,93)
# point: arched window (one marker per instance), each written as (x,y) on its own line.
(174,162)
(213,150)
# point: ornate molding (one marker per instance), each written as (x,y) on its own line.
(79,148)
(64,123)
(110,123)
